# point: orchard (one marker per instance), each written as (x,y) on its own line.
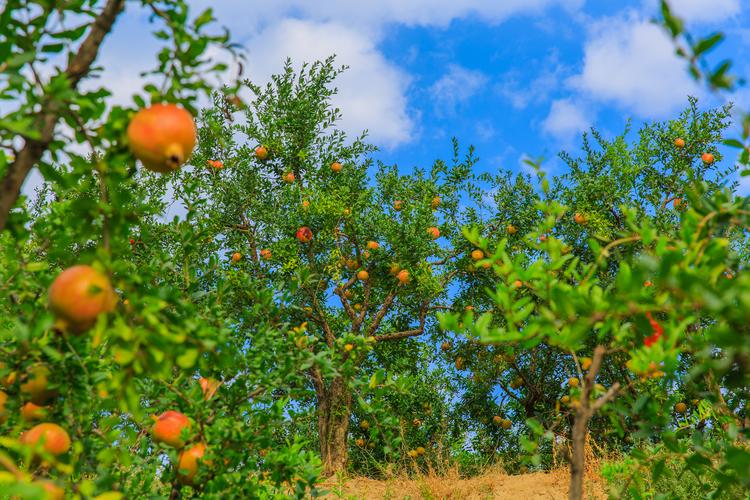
(312,314)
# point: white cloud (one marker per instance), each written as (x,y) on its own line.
(373,15)
(631,62)
(371,93)
(456,87)
(566,119)
(699,10)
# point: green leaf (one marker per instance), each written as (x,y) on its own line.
(37,266)
(708,43)
(188,358)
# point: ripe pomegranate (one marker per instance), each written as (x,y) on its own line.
(304,234)
(265,254)
(707,158)
(679,143)
(218,165)
(80,294)
(162,137)
(403,277)
(373,245)
(477,254)
(580,218)
(236,257)
(586,363)
(363,275)
(261,153)
(31,411)
(434,232)
(398,205)
(52,437)
(187,465)
(336,167)
(168,428)
(288,177)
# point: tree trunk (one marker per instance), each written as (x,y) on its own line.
(585,410)
(334,408)
(578,457)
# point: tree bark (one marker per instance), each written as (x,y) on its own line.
(33,149)
(334,409)
(578,457)
(585,410)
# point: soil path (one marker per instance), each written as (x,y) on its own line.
(535,486)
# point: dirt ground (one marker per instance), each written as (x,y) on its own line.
(535,486)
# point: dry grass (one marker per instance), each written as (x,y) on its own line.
(491,485)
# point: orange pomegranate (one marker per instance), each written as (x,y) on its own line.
(187,465)
(31,411)
(477,254)
(261,153)
(80,294)
(304,234)
(579,218)
(236,257)
(51,437)
(707,158)
(162,137)
(363,275)
(511,229)
(373,245)
(679,143)
(434,232)
(398,205)
(336,167)
(265,254)
(288,177)
(403,277)
(435,203)
(168,428)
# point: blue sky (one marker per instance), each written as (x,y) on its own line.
(513,77)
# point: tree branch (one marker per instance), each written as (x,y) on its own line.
(381,313)
(407,333)
(33,149)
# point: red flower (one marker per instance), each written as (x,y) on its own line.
(658,331)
